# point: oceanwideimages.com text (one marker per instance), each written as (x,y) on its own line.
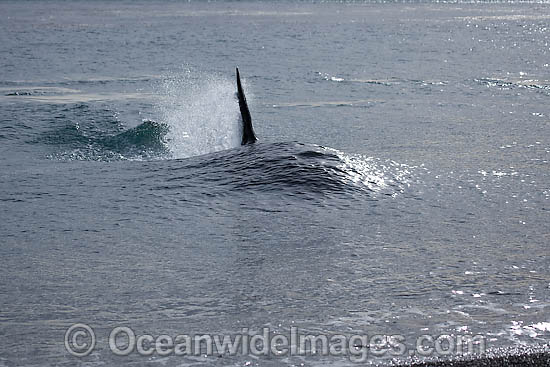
(81,340)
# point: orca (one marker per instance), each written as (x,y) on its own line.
(248,131)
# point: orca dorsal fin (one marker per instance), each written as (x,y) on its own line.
(248,131)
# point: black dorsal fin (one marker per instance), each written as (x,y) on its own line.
(248,131)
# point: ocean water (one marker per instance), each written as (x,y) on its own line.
(400,185)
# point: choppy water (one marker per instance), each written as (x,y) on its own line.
(400,186)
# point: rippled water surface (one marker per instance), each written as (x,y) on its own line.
(400,185)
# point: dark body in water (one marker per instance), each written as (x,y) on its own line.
(248,131)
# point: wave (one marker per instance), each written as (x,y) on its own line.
(145,141)
(512,83)
(383,82)
(292,168)
(340,79)
(355,102)
(197,113)
(198,137)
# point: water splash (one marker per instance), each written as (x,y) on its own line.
(202,113)
(385,177)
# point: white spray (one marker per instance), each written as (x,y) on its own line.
(202,113)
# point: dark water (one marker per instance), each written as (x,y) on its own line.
(401,183)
